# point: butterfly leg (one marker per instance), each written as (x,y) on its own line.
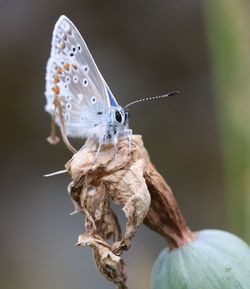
(128,133)
(101,141)
(98,151)
(115,141)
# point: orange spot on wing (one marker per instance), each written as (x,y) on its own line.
(56,79)
(62,45)
(56,90)
(74,66)
(59,70)
(66,66)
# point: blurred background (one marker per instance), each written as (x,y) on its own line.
(199,140)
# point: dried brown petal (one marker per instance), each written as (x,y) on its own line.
(130,180)
(109,264)
(118,178)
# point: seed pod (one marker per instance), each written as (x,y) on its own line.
(214,260)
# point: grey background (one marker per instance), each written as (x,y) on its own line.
(142,48)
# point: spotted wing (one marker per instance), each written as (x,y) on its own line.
(74,79)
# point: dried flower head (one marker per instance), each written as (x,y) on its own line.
(126,177)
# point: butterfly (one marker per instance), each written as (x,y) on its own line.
(78,98)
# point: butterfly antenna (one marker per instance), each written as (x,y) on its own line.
(152,98)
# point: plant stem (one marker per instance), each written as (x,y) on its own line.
(164,215)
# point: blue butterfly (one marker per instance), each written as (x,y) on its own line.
(78,98)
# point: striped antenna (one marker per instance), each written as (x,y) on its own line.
(152,98)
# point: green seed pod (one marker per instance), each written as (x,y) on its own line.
(214,260)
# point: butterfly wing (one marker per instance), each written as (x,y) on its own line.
(74,79)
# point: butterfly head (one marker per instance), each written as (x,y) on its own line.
(118,116)
(118,123)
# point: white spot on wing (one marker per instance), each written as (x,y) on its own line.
(85,82)
(86,68)
(80,97)
(75,79)
(79,47)
(73,48)
(68,106)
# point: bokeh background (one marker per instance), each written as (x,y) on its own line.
(198,140)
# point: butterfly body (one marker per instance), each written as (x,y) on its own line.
(78,98)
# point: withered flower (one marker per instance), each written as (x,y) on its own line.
(126,177)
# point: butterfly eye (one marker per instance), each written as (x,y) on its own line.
(118,116)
